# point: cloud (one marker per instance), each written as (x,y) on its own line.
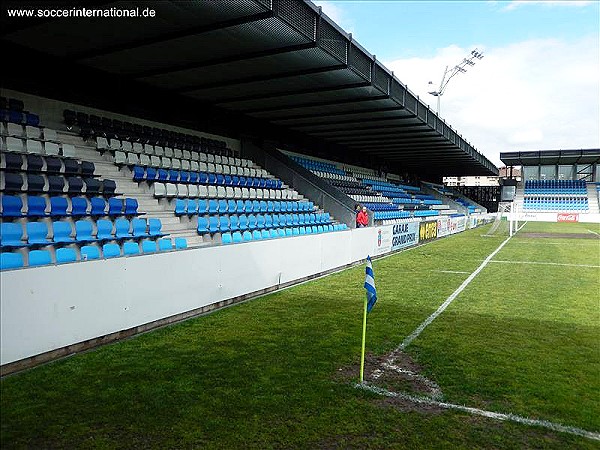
(531,95)
(514,4)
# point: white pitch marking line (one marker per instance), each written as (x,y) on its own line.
(593,232)
(450,271)
(449,300)
(546,263)
(480,412)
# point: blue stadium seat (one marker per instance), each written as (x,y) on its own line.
(37,233)
(138,227)
(202,207)
(275,220)
(281,232)
(224,223)
(62,232)
(273,233)
(39,258)
(165,244)
(131,248)
(251,222)
(104,230)
(115,206)
(243,222)
(256,235)
(181,207)
(233,223)
(268,221)
(223,206)
(10,261)
(58,206)
(65,255)
(239,206)
(83,231)
(226,238)
(255,206)
(111,250)
(237,237)
(192,207)
(122,229)
(89,252)
(213,224)
(213,206)
(260,221)
(264,234)
(302,230)
(154,228)
(288,232)
(98,207)
(11,235)
(131,207)
(138,173)
(247,236)
(79,207)
(180,243)
(149,246)
(231,206)
(12,206)
(202,225)
(36,206)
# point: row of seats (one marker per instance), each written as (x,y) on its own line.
(256,235)
(216,224)
(19,117)
(15,162)
(62,232)
(192,207)
(56,184)
(201,191)
(15,260)
(163,162)
(37,206)
(556,204)
(114,145)
(18,145)
(181,176)
(91,126)
(385,215)
(312,164)
(28,132)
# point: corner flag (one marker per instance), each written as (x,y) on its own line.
(369,303)
(370,285)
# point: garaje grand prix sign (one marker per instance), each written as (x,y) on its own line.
(405,235)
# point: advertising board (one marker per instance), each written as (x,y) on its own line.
(405,235)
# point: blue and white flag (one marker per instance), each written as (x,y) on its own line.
(370,285)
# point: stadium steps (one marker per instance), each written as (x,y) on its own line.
(123,177)
(593,198)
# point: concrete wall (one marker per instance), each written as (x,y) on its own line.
(47,308)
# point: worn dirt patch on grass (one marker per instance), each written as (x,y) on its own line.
(402,375)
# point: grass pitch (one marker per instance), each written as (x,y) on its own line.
(272,373)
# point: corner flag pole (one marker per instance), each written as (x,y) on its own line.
(364,338)
(370,300)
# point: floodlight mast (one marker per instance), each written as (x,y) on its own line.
(449,74)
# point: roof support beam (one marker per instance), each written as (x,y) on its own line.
(322,89)
(178,34)
(316,104)
(224,60)
(260,78)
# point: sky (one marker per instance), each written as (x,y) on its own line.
(537,86)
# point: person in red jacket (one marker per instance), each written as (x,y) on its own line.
(362,218)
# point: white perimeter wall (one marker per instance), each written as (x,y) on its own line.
(47,308)
(51,307)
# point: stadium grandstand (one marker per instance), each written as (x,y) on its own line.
(155,173)
(224,138)
(153,150)
(558,185)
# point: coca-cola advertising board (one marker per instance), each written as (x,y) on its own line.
(567,217)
